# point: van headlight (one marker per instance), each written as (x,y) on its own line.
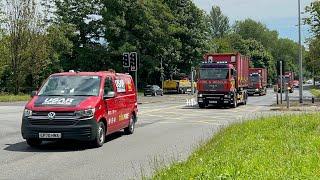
(200,95)
(85,113)
(227,96)
(27,113)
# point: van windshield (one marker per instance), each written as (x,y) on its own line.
(71,86)
(214,73)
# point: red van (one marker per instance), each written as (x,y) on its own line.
(83,106)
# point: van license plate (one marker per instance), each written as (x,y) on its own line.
(49,135)
(213,102)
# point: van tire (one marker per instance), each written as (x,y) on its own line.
(100,135)
(130,129)
(34,142)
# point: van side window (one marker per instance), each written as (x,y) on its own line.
(108,86)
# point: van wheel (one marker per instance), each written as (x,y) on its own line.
(34,142)
(130,129)
(101,135)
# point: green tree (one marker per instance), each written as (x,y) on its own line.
(218,23)
(250,29)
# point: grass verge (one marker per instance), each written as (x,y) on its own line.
(283,147)
(315,92)
(14,98)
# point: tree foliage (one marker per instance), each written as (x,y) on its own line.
(40,37)
(218,23)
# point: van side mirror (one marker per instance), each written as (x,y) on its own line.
(110,94)
(34,93)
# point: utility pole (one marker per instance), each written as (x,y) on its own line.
(162,74)
(192,80)
(300,57)
(281,82)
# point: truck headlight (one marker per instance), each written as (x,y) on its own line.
(200,95)
(27,113)
(85,113)
(227,96)
(257,89)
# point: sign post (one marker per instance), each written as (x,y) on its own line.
(281,82)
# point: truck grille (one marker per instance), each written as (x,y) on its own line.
(213,87)
(61,119)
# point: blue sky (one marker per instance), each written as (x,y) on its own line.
(280,15)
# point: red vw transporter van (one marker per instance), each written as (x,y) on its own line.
(83,106)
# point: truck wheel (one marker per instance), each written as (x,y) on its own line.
(245,99)
(34,142)
(202,106)
(130,129)
(235,102)
(100,135)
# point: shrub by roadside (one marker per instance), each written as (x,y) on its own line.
(284,147)
(14,98)
(315,92)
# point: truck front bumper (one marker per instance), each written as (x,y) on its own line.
(216,99)
(83,130)
(254,91)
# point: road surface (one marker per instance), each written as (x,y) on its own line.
(167,130)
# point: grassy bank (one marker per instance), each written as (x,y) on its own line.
(315,92)
(285,147)
(14,98)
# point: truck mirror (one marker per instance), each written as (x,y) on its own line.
(110,94)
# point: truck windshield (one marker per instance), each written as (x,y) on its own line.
(254,78)
(71,86)
(214,73)
(286,80)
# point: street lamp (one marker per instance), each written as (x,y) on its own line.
(300,57)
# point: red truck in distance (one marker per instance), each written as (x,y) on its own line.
(288,79)
(223,80)
(257,81)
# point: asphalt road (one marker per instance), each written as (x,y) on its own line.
(167,130)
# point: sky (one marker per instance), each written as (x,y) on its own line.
(280,15)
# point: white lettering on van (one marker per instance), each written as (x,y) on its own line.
(58,101)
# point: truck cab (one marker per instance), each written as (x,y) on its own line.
(287,81)
(257,81)
(84,106)
(216,84)
(222,80)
